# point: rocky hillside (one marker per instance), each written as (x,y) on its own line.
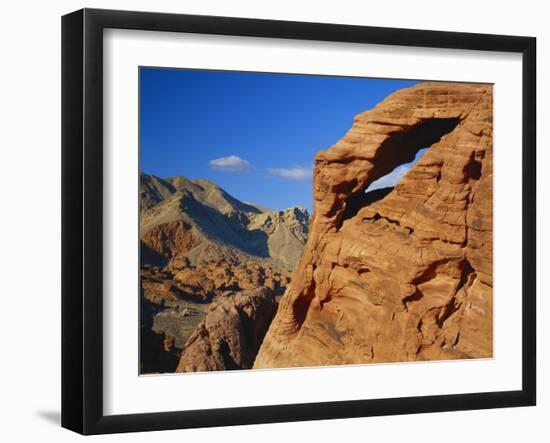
(199,220)
(407,274)
(205,241)
(198,243)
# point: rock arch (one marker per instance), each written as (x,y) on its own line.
(400,147)
(408,276)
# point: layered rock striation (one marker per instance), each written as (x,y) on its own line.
(404,274)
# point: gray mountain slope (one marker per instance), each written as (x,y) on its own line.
(220,223)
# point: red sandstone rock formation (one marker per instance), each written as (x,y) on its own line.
(231,333)
(169,238)
(406,276)
(159,291)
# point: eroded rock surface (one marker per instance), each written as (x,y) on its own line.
(405,275)
(231,333)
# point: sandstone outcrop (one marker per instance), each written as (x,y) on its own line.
(231,333)
(201,283)
(405,274)
(159,291)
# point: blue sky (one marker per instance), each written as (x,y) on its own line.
(254,134)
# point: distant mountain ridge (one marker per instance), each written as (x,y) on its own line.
(215,224)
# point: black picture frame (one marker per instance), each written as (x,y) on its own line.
(82,218)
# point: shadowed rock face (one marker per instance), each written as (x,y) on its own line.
(157,353)
(407,275)
(231,333)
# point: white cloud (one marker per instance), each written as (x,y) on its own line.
(231,163)
(296,173)
(390,179)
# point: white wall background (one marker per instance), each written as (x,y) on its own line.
(30,221)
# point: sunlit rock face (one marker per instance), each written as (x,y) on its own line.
(405,274)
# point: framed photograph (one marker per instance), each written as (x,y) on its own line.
(268,221)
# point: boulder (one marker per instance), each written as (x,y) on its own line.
(231,333)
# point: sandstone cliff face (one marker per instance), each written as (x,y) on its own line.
(231,333)
(404,275)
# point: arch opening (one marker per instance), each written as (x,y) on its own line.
(396,156)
